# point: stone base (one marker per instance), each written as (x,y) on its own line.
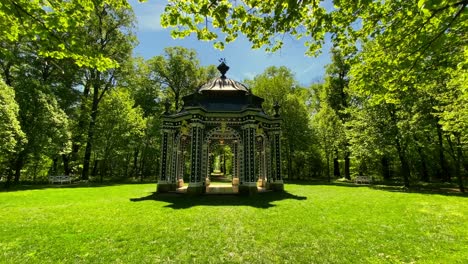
(194,190)
(180,183)
(261,183)
(207,181)
(276,186)
(235,181)
(248,190)
(166,187)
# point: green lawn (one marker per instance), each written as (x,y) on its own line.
(308,224)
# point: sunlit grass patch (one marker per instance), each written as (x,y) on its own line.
(308,224)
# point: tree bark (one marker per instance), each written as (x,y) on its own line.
(424,172)
(18,166)
(347,166)
(89,141)
(95,167)
(405,170)
(135,163)
(459,166)
(444,173)
(290,174)
(177,98)
(66,164)
(385,168)
(336,166)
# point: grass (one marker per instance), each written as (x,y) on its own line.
(307,224)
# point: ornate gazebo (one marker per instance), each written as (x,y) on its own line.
(222,111)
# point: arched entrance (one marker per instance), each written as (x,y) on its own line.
(218,169)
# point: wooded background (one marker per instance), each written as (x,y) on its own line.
(393,104)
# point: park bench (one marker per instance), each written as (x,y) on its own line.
(60,179)
(362,179)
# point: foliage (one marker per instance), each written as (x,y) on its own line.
(278,85)
(179,72)
(120,129)
(11,135)
(52,27)
(330,132)
(263,21)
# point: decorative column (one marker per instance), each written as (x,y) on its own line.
(268,162)
(248,184)
(205,164)
(262,163)
(165,182)
(277,183)
(196,185)
(235,163)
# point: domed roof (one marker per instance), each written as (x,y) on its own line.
(223,83)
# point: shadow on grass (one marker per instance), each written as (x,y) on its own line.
(27,187)
(184,201)
(432,188)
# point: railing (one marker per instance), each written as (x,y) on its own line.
(60,179)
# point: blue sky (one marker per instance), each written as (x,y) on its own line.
(243,61)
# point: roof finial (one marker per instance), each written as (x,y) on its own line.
(223,68)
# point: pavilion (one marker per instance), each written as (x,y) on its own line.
(221,112)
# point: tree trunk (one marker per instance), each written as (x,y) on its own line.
(135,162)
(444,173)
(347,166)
(459,165)
(328,168)
(66,164)
(18,166)
(177,98)
(424,172)
(95,167)
(405,171)
(9,176)
(89,141)
(336,166)
(385,168)
(224,162)
(289,152)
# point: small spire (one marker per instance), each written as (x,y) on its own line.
(223,68)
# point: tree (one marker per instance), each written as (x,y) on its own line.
(454,119)
(336,84)
(179,72)
(262,21)
(329,131)
(52,25)
(277,85)
(119,130)
(109,33)
(408,90)
(11,135)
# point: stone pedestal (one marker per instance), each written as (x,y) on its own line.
(235,181)
(166,187)
(248,189)
(277,186)
(180,183)
(195,189)
(261,183)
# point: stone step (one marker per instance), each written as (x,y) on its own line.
(222,189)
